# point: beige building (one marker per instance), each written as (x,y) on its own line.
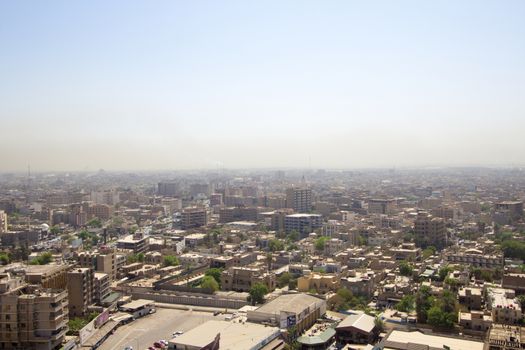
(320,283)
(430,231)
(299,199)
(100,261)
(101,211)
(241,279)
(475,257)
(504,306)
(475,320)
(194,217)
(470,297)
(48,276)
(381,206)
(81,283)
(32,318)
(101,289)
(3,221)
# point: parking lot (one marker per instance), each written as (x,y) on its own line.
(143,332)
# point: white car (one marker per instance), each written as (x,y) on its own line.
(177,333)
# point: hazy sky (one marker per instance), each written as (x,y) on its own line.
(334,84)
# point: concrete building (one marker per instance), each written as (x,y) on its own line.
(381,206)
(3,221)
(470,297)
(52,276)
(513,208)
(194,217)
(299,199)
(404,340)
(229,335)
(101,288)
(33,318)
(475,258)
(357,329)
(137,243)
(320,283)
(430,231)
(514,281)
(241,279)
(101,211)
(100,261)
(359,283)
(504,306)
(81,283)
(303,223)
(168,189)
(285,311)
(231,214)
(475,320)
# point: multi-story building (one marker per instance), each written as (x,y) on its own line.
(303,223)
(33,318)
(475,258)
(101,211)
(299,199)
(406,251)
(359,283)
(470,297)
(194,217)
(514,281)
(381,206)
(320,283)
(52,276)
(513,208)
(3,221)
(231,214)
(241,279)
(81,283)
(137,243)
(504,306)
(475,320)
(168,189)
(101,289)
(430,231)
(100,261)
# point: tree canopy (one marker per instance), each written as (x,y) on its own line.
(257,293)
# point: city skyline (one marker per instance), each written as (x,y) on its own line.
(131,85)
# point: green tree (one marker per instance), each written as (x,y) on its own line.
(443,272)
(293,236)
(320,243)
(95,222)
(140,257)
(4,259)
(171,260)
(284,279)
(428,251)
(423,303)
(54,230)
(407,303)
(131,259)
(215,273)
(208,282)
(275,245)
(405,269)
(440,318)
(513,249)
(257,293)
(380,324)
(521,300)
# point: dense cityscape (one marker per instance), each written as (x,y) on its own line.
(263,259)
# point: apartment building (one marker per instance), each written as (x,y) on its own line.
(33,318)
(299,199)
(193,217)
(137,243)
(504,306)
(101,288)
(429,231)
(475,257)
(3,221)
(48,276)
(381,206)
(303,223)
(231,214)
(100,261)
(81,283)
(470,297)
(241,279)
(101,211)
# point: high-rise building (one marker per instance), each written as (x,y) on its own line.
(299,199)
(32,317)
(303,223)
(80,285)
(194,217)
(168,189)
(100,261)
(429,231)
(3,221)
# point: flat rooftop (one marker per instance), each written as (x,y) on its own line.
(401,340)
(232,335)
(295,303)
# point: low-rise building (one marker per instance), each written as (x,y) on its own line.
(357,329)
(241,279)
(320,283)
(504,306)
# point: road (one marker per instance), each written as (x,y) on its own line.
(143,332)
